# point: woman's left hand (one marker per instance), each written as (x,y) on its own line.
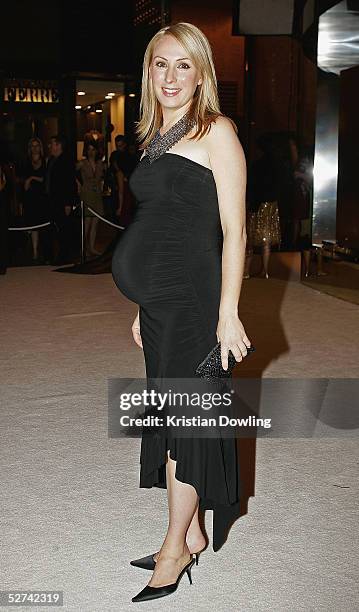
(232,336)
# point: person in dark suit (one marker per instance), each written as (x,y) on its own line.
(121,165)
(5,197)
(61,190)
(3,223)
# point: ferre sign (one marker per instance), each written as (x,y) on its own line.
(44,92)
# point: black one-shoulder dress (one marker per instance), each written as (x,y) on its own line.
(168,261)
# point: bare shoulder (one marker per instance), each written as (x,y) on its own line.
(222,142)
(222,128)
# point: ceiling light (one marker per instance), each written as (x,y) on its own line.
(132,95)
(81,93)
(78,107)
(98,110)
(111,93)
(108,97)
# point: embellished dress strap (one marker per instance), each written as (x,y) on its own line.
(160,144)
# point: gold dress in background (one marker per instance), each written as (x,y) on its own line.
(263,226)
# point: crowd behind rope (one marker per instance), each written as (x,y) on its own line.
(46,191)
(43,193)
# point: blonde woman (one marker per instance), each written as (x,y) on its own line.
(35,203)
(181,260)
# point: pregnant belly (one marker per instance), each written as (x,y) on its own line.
(153,265)
(128,269)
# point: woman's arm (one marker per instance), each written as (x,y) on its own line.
(229,168)
(27,183)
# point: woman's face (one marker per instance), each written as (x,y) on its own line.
(35,148)
(173,73)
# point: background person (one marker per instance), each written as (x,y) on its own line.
(122,163)
(35,204)
(263,220)
(90,173)
(61,189)
(4,220)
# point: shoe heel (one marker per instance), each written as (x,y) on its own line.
(197,558)
(188,570)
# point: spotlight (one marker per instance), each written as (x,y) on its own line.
(324,171)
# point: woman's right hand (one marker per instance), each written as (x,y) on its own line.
(136,332)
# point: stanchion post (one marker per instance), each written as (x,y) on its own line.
(83,245)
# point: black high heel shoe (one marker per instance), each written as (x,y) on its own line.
(149,563)
(149,592)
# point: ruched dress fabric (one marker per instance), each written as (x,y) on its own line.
(168,261)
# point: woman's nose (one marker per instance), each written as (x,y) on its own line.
(170,75)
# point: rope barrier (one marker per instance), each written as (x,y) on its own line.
(83,246)
(103,218)
(34,227)
(29,227)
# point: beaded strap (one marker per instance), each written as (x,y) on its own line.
(160,144)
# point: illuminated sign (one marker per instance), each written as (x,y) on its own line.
(43,92)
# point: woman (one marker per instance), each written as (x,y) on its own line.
(4,217)
(91,175)
(35,202)
(190,180)
(263,222)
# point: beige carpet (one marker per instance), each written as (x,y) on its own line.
(341,280)
(72,512)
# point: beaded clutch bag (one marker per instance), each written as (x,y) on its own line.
(211,366)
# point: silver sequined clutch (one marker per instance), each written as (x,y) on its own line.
(211,366)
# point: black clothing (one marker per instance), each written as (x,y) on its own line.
(60,183)
(124,161)
(4,224)
(262,183)
(36,209)
(61,189)
(168,260)
(5,215)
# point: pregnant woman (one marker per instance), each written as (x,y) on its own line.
(181,260)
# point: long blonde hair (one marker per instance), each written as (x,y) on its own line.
(205,105)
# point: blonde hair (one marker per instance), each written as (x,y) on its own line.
(205,105)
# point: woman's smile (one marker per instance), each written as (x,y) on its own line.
(170,91)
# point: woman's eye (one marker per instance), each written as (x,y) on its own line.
(183,65)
